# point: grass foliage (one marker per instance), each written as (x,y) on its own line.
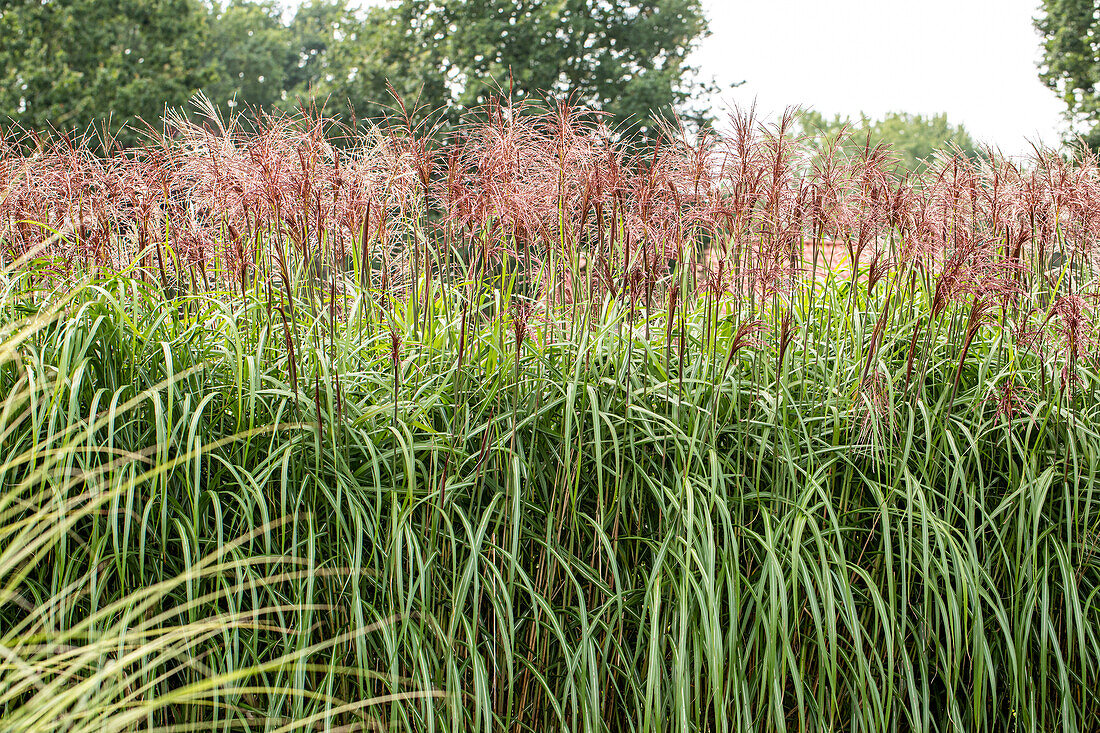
(435,458)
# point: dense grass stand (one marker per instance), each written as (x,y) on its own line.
(533,430)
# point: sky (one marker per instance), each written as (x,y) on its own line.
(974,60)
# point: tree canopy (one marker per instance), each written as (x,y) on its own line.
(1071,60)
(913,138)
(71,63)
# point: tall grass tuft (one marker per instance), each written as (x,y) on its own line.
(535,429)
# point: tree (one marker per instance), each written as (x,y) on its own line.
(344,60)
(252,54)
(70,63)
(1071,60)
(626,57)
(67,63)
(914,138)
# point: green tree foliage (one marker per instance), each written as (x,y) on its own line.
(626,57)
(252,52)
(69,63)
(1071,60)
(913,138)
(345,60)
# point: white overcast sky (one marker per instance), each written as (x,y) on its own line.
(972,59)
